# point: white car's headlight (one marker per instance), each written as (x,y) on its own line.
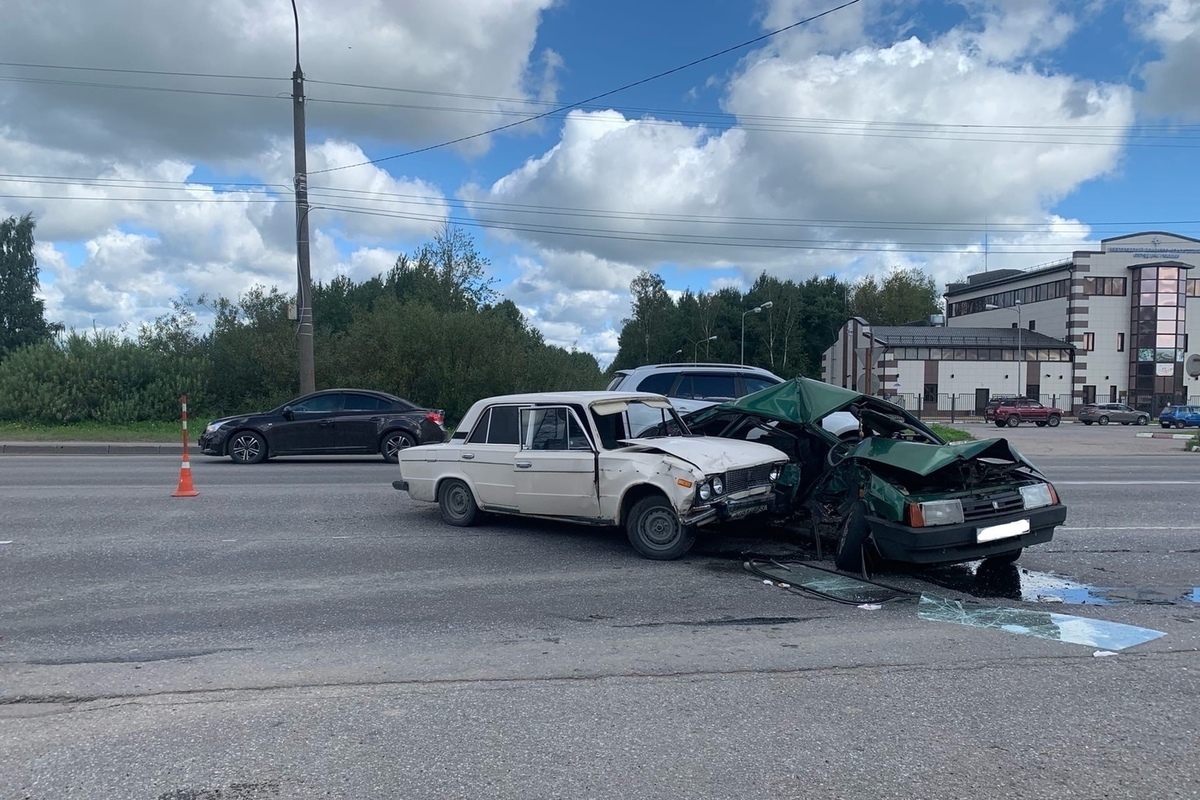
(718,485)
(705,492)
(1037,495)
(941,512)
(776,471)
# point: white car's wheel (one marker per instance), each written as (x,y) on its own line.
(457,504)
(655,530)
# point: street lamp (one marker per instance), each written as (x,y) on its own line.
(677,353)
(696,351)
(1020,349)
(755,310)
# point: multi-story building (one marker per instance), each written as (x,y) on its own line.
(1104,325)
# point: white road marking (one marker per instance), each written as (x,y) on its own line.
(1125,483)
(1137,528)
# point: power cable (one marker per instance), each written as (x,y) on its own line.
(593,98)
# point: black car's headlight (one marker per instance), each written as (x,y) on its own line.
(1037,495)
(212,427)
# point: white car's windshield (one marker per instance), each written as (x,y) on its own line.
(635,419)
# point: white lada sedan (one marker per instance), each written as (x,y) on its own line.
(569,456)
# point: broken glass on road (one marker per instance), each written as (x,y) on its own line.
(1061,627)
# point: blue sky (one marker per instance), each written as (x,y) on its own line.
(892,132)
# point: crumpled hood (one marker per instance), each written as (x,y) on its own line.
(925,459)
(709,453)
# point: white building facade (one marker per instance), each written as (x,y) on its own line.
(1123,307)
(1109,325)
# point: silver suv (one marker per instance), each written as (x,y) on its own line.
(691,387)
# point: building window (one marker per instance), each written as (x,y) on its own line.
(1089,395)
(931,392)
(1033,325)
(1120,343)
(1108,287)
(1089,342)
(1193,287)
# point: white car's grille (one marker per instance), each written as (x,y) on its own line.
(739,480)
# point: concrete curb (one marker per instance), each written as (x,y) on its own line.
(1166,436)
(93,448)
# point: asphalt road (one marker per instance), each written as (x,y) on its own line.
(302,630)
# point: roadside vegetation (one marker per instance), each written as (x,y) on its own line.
(432,329)
(949,433)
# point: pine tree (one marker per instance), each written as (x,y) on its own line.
(22,313)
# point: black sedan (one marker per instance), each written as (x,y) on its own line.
(329,422)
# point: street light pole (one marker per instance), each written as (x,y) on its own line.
(304,328)
(1020,351)
(696,350)
(755,310)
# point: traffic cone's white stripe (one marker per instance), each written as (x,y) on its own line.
(187,465)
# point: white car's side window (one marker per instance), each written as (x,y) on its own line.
(555,428)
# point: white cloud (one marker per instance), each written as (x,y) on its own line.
(821,139)
(477,47)
(1174,25)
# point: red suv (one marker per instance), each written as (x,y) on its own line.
(1015,410)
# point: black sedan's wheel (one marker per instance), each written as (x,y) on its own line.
(247,447)
(392,443)
(1014,421)
(1086,421)
(457,504)
(655,530)
(1103,420)
(999,423)
(1143,420)
(852,539)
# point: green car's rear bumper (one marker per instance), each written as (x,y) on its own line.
(948,544)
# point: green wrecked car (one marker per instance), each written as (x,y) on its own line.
(895,491)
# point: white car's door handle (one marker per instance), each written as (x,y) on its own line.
(467,456)
(524,464)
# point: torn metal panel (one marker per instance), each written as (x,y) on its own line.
(1060,627)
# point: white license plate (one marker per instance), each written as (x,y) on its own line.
(1004,531)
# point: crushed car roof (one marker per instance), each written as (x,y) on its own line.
(798,400)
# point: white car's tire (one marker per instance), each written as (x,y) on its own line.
(655,530)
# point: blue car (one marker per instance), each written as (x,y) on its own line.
(1179,416)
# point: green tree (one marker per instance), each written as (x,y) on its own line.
(22,313)
(650,334)
(903,295)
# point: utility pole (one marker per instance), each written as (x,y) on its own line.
(304,328)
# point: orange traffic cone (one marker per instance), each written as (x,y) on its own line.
(186,489)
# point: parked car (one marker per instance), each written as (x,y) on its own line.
(329,422)
(1179,416)
(571,456)
(901,493)
(1012,411)
(691,387)
(1104,413)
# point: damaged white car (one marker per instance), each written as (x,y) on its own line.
(569,456)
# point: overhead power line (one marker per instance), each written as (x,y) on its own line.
(329,194)
(593,98)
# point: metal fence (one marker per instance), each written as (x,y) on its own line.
(960,406)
